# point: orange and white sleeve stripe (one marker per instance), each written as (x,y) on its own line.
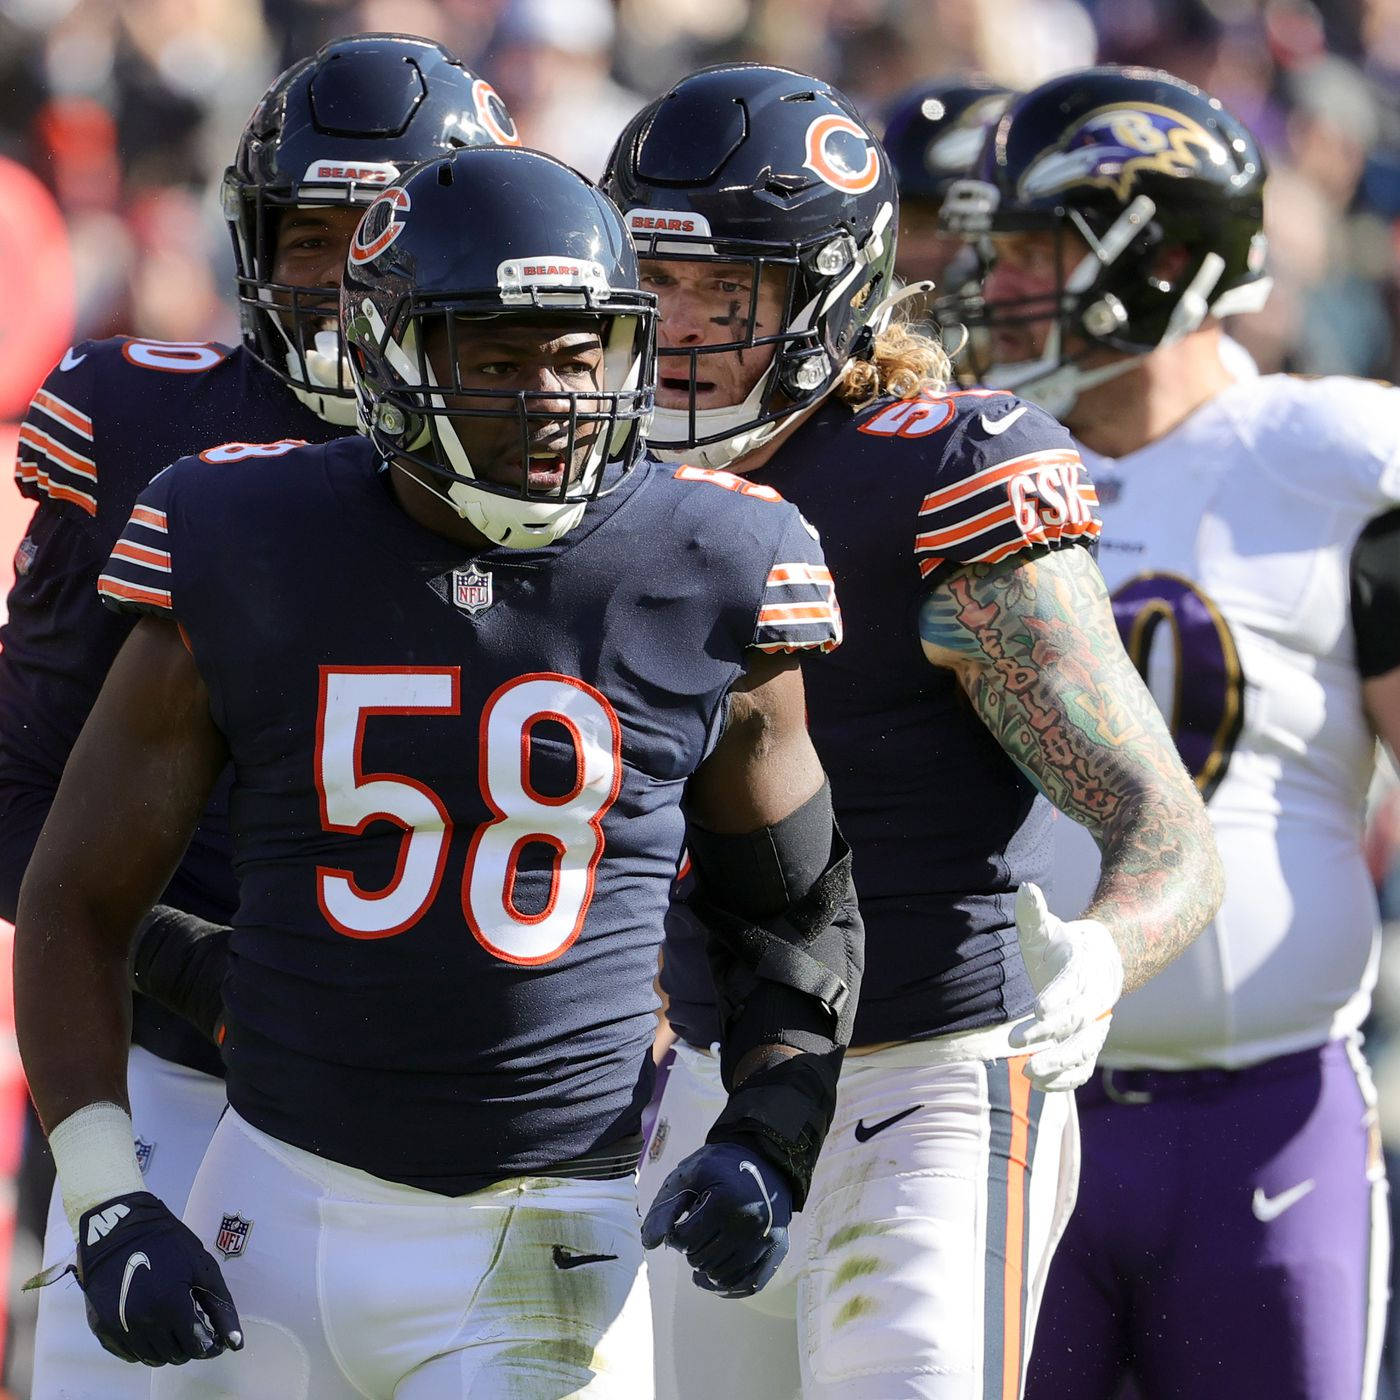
(137,576)
(799,611)
(55,456)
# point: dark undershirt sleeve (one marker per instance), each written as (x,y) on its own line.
(1375,596)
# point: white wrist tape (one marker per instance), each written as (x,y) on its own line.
(95,1156)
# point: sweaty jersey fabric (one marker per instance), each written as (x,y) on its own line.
(1227,546)
(942,824)
(457,787)
(110,416)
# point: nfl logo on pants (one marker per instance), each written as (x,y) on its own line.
(232,1236)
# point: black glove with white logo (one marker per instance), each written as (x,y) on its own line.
(727,1210)
(154,1293)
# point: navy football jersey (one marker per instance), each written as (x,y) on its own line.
(457,786)
(109,417)
(942,824)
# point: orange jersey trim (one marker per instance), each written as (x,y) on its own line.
(129,592)
(1013,1281)
(65,413)
(155,558)
(773,613)
(979,524)
(57,452)
(799,573)
(36,476)
(145,515)
(990,476)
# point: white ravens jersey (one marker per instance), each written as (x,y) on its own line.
(1226,546)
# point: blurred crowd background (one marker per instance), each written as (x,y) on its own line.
(129,109)
(127,112)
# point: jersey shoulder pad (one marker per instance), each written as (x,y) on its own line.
(1004,477)
(741,522)
(1333,438)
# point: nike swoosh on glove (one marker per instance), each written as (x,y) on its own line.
(154,1293)
(727,1210)
(1077,972)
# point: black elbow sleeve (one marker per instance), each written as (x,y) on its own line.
(179,961)
(786,949)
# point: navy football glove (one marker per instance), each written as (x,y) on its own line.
(154,1293)
(727,1210)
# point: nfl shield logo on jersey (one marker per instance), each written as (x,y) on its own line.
(471,589)
(232,1236)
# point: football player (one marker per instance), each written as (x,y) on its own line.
(467,669)
(1231,1236)
(328,135)
(981,663)
(932,134)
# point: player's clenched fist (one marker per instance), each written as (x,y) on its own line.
(727,1210)
(154,1293)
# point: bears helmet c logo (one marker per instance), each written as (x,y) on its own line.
(382,223)
(830,166)
(493,115)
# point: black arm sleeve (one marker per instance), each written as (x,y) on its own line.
(179,961)
(786,947)
(1375,596)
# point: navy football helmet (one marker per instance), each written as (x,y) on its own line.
(758,165)
(934,133)
(335,129)
(1150,173)
(460,245)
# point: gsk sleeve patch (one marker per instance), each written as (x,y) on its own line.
(1011,478)
(1003,476)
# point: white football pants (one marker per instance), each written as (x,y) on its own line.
(173,1113)
(350,1287)
(918,1263)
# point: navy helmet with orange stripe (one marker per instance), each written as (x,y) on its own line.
(749,164)
(334,130)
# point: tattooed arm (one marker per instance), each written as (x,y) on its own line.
(1034,646)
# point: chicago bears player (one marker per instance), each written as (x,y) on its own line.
(982,661)
(1230,1237)
(467,670)
(327,135)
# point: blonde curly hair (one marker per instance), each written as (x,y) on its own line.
(902,362)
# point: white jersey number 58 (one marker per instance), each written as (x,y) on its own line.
(568,824)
